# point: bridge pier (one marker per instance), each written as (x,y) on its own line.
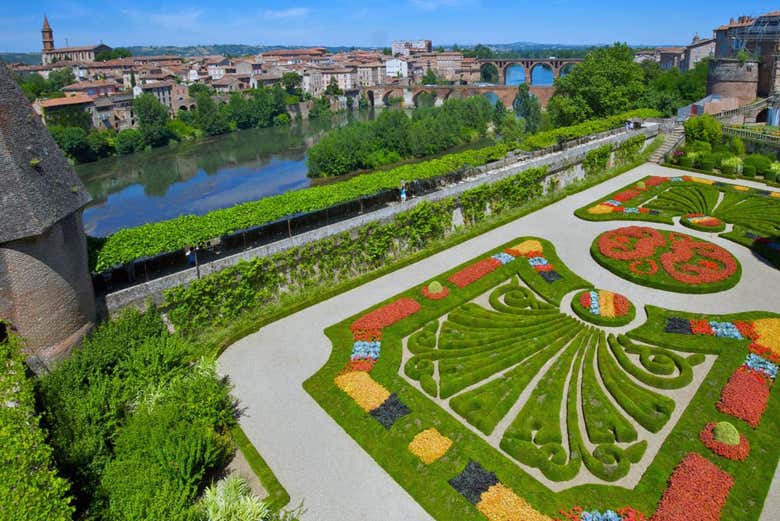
(408,98)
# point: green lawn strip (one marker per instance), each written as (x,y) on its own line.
(585,314)
(277,495)
(428,484)
(661,279)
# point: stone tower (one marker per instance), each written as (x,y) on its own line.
(48,35)
(45,288)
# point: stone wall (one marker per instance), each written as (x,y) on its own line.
(733,79)
(564,167)
(45,290)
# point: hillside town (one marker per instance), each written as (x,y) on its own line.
(105,88)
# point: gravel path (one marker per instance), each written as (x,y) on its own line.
(310,453)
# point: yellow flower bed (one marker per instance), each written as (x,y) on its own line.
(600,209)
(768,330)
(776,194)
(702,180)
(741,188)
(607,304)
(527,247)
(430,445)
(363,389)
(499,503)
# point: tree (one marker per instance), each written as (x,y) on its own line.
(113,54)
(196,89)
(333,87)
(607,82)
(387,51)
(292,82)
(209,118)
(128,141)
(60,78)
(430,77)
(703,128)
(152,120)
(73,142)
(527,106)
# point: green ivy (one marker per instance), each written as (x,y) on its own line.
(597,160)
(30,488)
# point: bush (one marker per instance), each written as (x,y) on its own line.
(699,146)
(749,171)
(761,163)
(703,128)
(30,488)
(128,141)
(725,432)
(731,166)
(688,160)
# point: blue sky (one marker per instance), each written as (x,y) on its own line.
(364,22)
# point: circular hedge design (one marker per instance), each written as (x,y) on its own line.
(604,308)
(703,223)
(666,260)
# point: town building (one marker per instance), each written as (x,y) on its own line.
(114,112)
(407,47)
(46,293)
(747,58)
(93,88)
(397,68)
(370,74)
(671,57)
(51,54)
(698,50)
(69,111)
(313,56)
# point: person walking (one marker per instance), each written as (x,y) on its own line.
(403,193)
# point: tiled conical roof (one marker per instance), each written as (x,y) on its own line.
(46,23)
(38,187)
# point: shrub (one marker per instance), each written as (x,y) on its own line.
(30,488)
(725,432)
(731,166)
(699,146)
(761,163)
(737,146)
(703,128)
(688,160)
(749,171)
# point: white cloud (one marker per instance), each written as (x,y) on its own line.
(280,14)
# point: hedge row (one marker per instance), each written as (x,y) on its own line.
(166,236)
(560,135)
(30,488)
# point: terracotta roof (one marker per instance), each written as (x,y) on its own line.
(40,187)
(82,85)
(157,84)
(671,50)
(76,49)
(77,99)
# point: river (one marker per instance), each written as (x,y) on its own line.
(200,176)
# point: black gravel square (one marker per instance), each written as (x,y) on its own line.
(550,276)
(390,411)
(473,482)
(654,212)
(765,192)
(751,235)
(680,326)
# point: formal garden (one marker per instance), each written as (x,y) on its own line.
(511,388)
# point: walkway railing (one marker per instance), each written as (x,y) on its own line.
(751,135)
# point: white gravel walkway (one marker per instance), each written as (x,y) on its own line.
(319,463)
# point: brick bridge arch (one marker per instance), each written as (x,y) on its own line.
(528,64)
(505,93)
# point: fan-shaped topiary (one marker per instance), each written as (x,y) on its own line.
(725,432)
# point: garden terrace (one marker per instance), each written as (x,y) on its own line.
(429,357)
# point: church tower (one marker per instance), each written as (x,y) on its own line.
(48,35)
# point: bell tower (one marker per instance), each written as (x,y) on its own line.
(48,35)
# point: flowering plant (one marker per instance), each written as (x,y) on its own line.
(385,316)
(474,272)
(745,395)
(697,490)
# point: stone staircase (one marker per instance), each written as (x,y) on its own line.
(670,143)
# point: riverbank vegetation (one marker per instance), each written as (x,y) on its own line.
(608,82)
(394,136)
(171,235)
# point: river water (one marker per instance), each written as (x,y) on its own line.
(201,176)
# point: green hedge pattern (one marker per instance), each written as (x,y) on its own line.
(479,342)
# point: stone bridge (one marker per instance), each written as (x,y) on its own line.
(407,96)
(528,65)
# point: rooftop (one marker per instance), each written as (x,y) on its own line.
(76,49)
(77,99)
(40,187)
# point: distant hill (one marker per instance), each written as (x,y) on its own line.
(223,49)
(29,58)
